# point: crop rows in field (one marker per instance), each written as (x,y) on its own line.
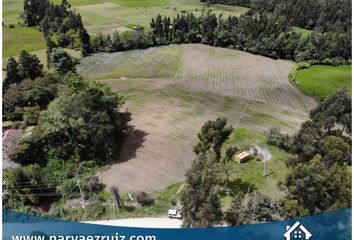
(166,120)
(236,73)
(168,108)
(149,63)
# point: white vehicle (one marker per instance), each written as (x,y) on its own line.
(173,213)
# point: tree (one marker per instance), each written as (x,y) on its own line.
(335,150)
(318,188)
(12,74)
(85,42)
(31,115)
(29,66)
(212,135)
(253,208)
(82,123)
(29,93)
(200,203)
(332,117)
(61,61)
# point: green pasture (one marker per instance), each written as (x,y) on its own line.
(251,172)
(320,81)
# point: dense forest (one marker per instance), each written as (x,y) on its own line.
(322,15)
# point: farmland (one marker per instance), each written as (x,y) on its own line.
(102,15)
(320,81)
(169,105)
(28,38)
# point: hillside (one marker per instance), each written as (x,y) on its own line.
(171,91)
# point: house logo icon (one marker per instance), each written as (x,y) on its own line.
(297,231)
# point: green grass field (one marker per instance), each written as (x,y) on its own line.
(251,172)
(19,38)
(320,81)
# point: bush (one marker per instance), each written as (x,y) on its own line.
(276,138)
(145,199)
(31,115)
(229,153)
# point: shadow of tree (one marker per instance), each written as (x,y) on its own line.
(135,139)
(238,186)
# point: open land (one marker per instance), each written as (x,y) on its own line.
(321,81)
(171,91)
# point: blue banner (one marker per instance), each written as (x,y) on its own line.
(329,226)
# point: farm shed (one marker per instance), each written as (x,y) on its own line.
(9,139)
(242,157)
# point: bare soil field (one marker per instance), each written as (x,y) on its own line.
(168,110)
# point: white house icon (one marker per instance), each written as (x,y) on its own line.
(296,231)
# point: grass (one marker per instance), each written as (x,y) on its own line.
(267,119)
(251,172)
(163,62)
(304,32)
(163,200)
(320,81)
(21,38)
(142,3)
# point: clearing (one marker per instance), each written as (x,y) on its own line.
(321,81)
(251,172)
(170,104)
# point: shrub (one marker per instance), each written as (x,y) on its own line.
(11,25)
(229,153)
(145,199)
(276,138)
(31,115)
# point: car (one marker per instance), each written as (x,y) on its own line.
(173,213)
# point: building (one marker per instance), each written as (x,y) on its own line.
(9,142)
(242,157)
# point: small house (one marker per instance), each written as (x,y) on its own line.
(242,157)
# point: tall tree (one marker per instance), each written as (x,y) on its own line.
(61,61)
(85,42)
(200,203)
(29,65)
(12,74)
(212,136)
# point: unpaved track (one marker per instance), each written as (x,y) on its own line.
(167,114)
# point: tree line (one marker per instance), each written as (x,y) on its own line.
(242,3)
(262,34)
(266,29)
